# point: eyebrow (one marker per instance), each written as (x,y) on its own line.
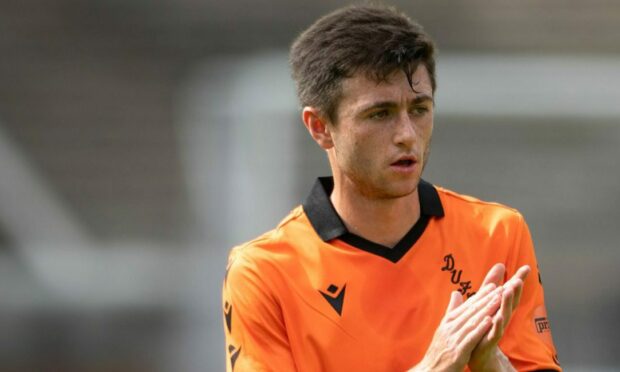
(385,104)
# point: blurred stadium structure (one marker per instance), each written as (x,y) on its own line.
(140,140)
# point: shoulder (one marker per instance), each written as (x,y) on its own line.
(271,249)
(458,202)
(472,210)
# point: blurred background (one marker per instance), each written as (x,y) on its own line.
(140,140)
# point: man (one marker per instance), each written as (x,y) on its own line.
(380,270)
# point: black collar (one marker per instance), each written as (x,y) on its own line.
(328,225)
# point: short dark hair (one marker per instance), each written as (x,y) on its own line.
(376,40)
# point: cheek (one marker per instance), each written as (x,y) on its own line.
(426,131)
(427,137)
(370,145)
(357,152)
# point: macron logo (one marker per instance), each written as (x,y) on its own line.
(334,297)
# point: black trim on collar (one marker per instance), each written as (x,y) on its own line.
(321,212)
(328,225)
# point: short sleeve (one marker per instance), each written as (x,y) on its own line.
(256,338)
(527,340)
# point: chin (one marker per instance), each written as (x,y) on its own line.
(388,187)
(406,193)
(400,192)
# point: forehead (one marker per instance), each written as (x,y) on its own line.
(359,90)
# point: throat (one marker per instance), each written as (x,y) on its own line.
(384,222)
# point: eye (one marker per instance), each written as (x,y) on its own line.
(419,110)
(379,114)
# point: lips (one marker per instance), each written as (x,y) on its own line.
(404,161)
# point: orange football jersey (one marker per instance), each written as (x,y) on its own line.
(311,296)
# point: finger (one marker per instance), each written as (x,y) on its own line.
(522,272)
(495,275)
(510,289)
(501,318)
(506,306)
(480,295)
(473,322)
(455,301)
(515,284)
(496,331)
(517,281)
(472,338)
(476,311)
(517,296)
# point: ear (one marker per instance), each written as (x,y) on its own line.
(317,127)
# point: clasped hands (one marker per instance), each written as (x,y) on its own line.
(470,330)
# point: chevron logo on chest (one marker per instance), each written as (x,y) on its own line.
(335,297)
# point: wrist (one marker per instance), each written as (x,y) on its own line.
(436,366)
(420,367)
(496,361)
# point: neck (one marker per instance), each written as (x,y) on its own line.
(381,220)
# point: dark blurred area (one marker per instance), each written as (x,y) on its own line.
(140,140)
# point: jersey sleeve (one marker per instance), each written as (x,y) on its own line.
(527,340)
(256,338)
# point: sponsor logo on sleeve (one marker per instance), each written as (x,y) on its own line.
(542,327)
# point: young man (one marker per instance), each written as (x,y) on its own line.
(379,270)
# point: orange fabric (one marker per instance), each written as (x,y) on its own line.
(278,316)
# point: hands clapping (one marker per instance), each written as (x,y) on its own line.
(470,330)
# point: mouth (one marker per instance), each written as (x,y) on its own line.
(404,163)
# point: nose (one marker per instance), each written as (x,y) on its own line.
(405,131)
